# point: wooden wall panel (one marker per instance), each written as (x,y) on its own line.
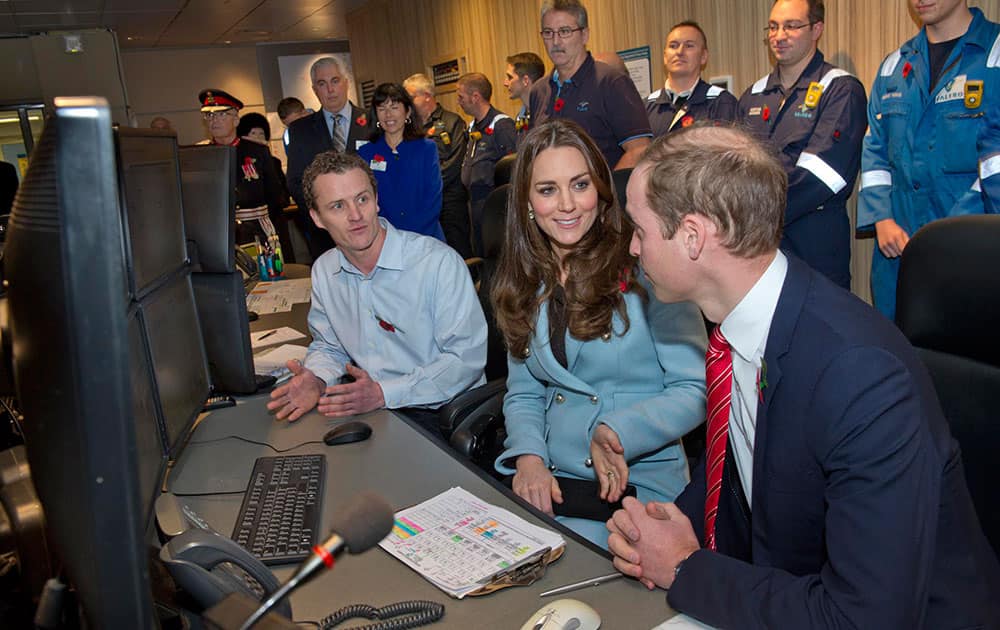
(391,40)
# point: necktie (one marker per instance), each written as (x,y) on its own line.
(339,139)
(719,383)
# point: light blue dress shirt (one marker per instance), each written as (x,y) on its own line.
(414,323)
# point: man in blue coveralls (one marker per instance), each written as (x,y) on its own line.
(926,111)
(814,115)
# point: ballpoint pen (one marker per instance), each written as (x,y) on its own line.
(594,581)
(266,335)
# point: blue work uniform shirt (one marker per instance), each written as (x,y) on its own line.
(705,103)
(819,144)
(920,161)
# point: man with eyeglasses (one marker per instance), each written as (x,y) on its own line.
(927,108)
(602,100)
(260,197)
(813,114)
(338,125)
(685,98)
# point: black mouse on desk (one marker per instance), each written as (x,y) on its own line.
(348,433)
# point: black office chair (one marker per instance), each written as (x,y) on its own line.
(494,224)
(503,170)
(948,306)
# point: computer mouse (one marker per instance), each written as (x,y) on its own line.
(348,433)
(564,614)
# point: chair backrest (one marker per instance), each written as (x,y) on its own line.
(948,306)
(493,227)
(503,169)
(620,178)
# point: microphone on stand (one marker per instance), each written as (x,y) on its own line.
(360,525)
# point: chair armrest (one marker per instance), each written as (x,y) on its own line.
(453,413)
(481,432)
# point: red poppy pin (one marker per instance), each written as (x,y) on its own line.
(386,325)
(362,120)
(687,121)
(521,124)
(766,113)
(430,132)
(378,158)
(249,170)
(623,281)
(488,131)
(907,69)
(836,134)
(560,103)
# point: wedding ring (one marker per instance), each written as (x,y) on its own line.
(610,473)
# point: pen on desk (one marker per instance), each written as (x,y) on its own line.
(594,581)
(266,335)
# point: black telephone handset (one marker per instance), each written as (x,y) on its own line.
(208,566)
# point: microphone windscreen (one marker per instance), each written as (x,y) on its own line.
(363,522)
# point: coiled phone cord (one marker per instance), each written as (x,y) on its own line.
(399,616)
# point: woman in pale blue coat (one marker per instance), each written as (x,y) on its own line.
(604,380)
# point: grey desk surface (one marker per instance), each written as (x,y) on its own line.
(405,467)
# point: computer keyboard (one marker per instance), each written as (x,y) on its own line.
(279,518)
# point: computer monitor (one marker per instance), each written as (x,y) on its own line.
(159,275)
(150,187)
(70,324)
(208,180)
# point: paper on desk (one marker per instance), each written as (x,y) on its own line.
(458,541)
(274,336)
(278,297)
(273,361)
(682,622)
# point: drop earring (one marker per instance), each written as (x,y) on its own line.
(531,213)
(378,124)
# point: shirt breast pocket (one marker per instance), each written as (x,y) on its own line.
(956,141)
(896,124)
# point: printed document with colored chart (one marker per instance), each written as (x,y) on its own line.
(464,546)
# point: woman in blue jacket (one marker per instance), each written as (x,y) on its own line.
(405,164)
(603,379)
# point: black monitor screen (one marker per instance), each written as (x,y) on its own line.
(151,200)
(178,355)
(208,179)
(151,457)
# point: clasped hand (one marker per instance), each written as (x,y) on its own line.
(304,390)
(649,541)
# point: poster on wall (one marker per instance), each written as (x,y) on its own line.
(295,80)
(637,60)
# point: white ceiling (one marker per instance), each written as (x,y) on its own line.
(162,23)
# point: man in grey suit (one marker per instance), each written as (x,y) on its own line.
(338,125)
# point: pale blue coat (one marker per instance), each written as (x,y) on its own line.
(648,385)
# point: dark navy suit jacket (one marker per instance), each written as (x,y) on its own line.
(309,136)
(861,517)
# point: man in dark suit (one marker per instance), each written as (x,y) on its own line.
(338,125)
(831,493)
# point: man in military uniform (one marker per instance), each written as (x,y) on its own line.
(447,130)
(926,110)
(260,198)
(338,125)
(491,136)
(523,69)
(813,114)
(685,97)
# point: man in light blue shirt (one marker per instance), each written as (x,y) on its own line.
(393,310)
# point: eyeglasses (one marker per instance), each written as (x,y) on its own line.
(211,115)
(773,27)
(564,32)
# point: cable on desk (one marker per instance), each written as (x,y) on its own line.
(249,441)
(399,616)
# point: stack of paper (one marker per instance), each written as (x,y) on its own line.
(274,362)
(278,297)
(462,544)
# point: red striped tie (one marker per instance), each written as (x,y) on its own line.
(719,383)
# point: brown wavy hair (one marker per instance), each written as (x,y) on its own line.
(597,267)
